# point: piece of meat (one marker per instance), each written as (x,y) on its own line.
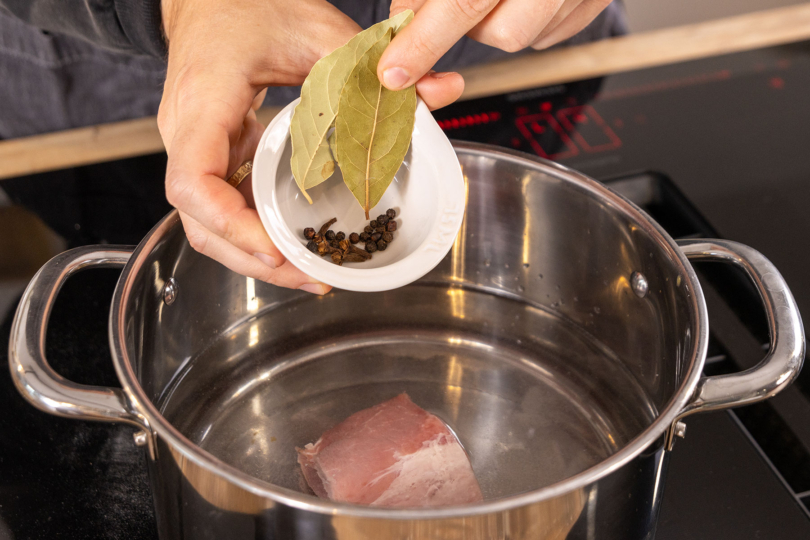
(394,454)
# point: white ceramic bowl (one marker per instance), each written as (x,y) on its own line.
(428,193)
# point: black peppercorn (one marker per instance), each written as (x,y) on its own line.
(330,235)
(387,236)
(354,238)
(309,233)
(373,223)
(391,213)
(368,229)
(392,226)
(371,247)
(340,236)
(364,237)
(382,244)
(382,219)
(312,246)
(376,237)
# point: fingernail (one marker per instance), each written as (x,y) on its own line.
(395,78)
(314,288)
(266,259)
(441,75)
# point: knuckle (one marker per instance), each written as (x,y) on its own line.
(422,47)
(473,9)
(198,240)
(177,191)
(221,224)
(163,118)
(511,39)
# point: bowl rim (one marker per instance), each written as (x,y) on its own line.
(190,451)
(450,194)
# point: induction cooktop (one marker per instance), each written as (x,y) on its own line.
(714,147)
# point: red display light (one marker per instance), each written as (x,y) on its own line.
(469,120)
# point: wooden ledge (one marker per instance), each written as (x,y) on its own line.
(119,140)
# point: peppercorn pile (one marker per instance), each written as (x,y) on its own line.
(375,237)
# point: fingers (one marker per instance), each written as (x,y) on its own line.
(398,6)
(258,100)
(437,26)
(514,25)
(440,89)
(210,137)
(286,275)
(579,18)
(245,147)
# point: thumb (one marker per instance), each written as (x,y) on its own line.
(437,26)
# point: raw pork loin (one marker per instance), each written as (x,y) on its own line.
(392,454)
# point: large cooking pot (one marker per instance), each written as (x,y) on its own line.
(563,339)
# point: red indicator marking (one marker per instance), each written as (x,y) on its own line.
(783,63)
(618,123)
(544,121)
(469,120)
(593,136)
(516,142)
(545,106)
(777,83)
(522,110)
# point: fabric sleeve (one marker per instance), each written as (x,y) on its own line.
(132,26)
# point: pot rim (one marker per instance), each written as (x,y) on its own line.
(161,427)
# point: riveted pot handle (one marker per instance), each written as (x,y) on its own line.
(784,359)
(33,376)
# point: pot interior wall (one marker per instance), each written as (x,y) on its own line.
(527,339)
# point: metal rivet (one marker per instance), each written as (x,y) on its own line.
(680,429)
(639,284)
(140,438)
(170,291)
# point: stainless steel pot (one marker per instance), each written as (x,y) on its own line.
(563,339)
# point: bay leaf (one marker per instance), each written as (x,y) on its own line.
(313,117)
(373,128)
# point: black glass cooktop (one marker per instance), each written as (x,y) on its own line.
(711,147)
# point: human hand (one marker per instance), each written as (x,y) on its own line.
(510,25)
(222,57)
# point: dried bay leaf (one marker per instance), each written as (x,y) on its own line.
(373,129)
(311,160)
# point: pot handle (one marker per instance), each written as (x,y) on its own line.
(784,359)
(34,377)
